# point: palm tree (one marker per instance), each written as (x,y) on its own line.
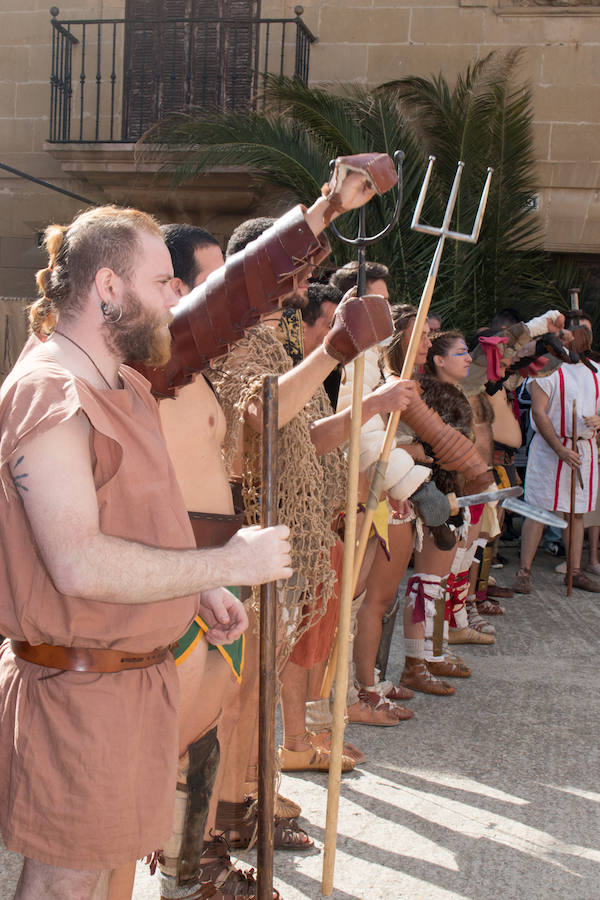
(484,120)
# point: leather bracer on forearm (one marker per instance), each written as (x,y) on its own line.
(217,313)
(452,450)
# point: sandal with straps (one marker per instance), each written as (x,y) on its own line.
(221,880)
(314,759)
(322,739)
(477,622)
(490,607)
(373,709)
(242,819)
(288,835)
(417,676)
(448,668)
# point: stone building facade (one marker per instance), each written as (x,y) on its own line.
(368,41)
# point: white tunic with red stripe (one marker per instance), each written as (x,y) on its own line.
(548,478)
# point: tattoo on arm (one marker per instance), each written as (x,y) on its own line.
(19,479)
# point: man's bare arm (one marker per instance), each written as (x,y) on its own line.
(539,407)
(59,497)
(296,387)
(333,431)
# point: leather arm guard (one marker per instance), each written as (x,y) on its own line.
(217,313)
(452,450)
(359,323)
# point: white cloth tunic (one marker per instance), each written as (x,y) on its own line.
(548,478)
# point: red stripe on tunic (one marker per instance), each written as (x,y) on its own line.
(595,377)
(591,475)
(558,471)
(561,384)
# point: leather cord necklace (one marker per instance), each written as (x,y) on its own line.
(79,347)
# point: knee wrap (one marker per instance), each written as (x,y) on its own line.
(422,590)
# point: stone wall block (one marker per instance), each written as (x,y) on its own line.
(33,100)
(18,28)
(15,135)
(14,64)
(8,96)
(541,140)
(575,142)
(335,62)
(566,104)
(571,65)
(387,63)
(447,26)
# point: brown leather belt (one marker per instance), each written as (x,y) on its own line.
(85,659)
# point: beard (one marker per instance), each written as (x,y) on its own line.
(139,335)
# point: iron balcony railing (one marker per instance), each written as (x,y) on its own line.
(111,79)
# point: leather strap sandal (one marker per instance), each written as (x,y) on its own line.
(322,739)
(315,759)
(288,835)
(417,676)
(219,879)
(284,807)
(396,691)
(469,636)
(476,621)
(373,709)
(496,590)
(448,668)
(241,819)
(490,607)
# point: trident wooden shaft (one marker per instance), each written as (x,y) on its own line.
(347,593)
(392,426)
(268,637)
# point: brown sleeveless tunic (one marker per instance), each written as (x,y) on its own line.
(87,761)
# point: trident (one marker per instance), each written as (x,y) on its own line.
(347,587)
(407,369)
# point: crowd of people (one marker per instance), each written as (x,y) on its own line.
(130,460)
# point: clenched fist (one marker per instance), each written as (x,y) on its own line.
(259,555)
(395,394)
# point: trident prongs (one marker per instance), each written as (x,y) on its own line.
(444,231)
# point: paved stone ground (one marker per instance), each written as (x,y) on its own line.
(491,794)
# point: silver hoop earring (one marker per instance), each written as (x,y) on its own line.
(112,312)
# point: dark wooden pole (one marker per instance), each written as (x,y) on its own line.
(268,639)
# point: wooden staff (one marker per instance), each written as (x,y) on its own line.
(571,549)
(268,640)
(339,662)
(347,593)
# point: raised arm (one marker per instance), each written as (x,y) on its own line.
(54,480)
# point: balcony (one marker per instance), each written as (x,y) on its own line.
(112,79)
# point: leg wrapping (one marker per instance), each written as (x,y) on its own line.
(182,856)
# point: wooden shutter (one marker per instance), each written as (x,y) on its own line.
(182,66)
